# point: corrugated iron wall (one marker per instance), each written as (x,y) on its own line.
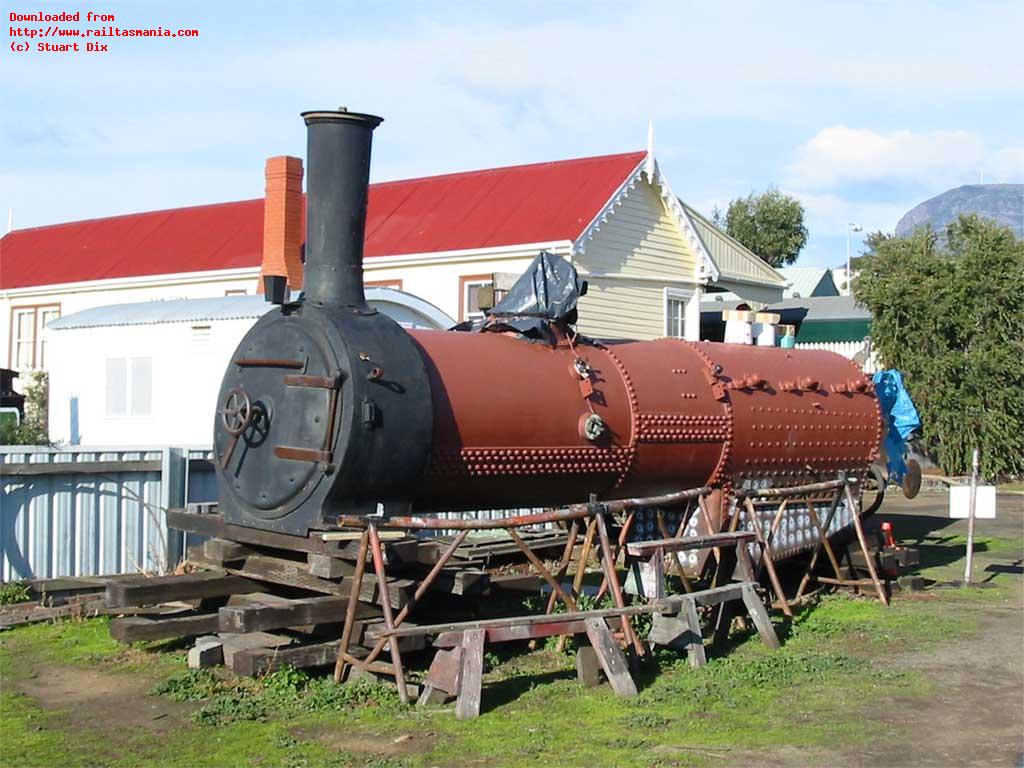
(487,514)
(85,512)
(81,512)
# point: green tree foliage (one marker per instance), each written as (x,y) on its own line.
(770,224)
(951,318)
(34,430)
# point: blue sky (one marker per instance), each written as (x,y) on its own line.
(861,110)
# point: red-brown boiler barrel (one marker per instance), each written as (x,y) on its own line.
(510,418)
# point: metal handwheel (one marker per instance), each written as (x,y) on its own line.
(237,412)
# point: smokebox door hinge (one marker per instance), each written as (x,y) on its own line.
(371,413)
(292,453)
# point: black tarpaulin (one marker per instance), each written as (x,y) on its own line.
(547,292)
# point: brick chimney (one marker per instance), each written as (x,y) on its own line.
(282,221)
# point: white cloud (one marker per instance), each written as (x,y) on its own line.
(841,154)
(472,86)
(901,167)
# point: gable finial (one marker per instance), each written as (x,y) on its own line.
(649,160)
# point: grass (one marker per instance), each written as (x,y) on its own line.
(287,692)
(30,736)
(533,707)
(69,642)
(839,667)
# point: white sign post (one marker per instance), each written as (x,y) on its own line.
(960,502)
(971,515)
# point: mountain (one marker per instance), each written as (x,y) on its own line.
(1003,203)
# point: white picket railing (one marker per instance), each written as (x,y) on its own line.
(860,351)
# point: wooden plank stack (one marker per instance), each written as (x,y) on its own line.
(262,600)
(256,609)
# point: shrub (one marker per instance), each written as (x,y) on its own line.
(14,592)
(951,319)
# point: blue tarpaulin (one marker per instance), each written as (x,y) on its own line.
(901,419)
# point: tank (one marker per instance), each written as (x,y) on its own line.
(330,408)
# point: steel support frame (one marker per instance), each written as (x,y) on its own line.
(370,545)
(595,514)
(842,488)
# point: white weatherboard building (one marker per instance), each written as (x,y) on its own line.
(149,373)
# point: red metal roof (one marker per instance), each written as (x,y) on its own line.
(521,204)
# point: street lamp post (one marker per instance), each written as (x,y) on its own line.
(850,228)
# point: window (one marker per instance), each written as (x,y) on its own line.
(675,312)
(46,315)
(117,383)
(471,300)
(141,386)
(469,295)
(28,345)
(24,323)
(129,387)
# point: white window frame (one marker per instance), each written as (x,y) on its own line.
(41,313)
(689,320)
(36,341)
(130,405)
(466,285)
(683,296)
(18,341)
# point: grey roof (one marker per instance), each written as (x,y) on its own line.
(818,307)
(401,306)
(733,260)
(807,281)
(168,311)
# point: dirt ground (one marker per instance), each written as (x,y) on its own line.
(381,743)
(92,698)
(977,716)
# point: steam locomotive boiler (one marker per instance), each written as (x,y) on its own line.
(330,408)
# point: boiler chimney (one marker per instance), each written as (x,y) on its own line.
(337,184)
